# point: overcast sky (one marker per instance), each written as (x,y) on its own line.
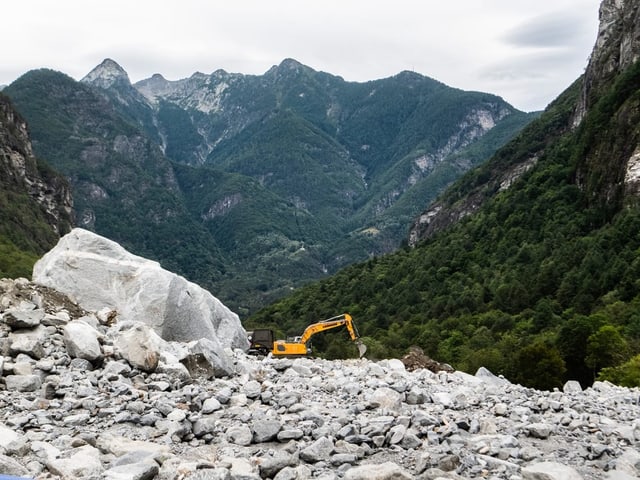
(527,51)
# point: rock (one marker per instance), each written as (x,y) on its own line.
(572,386)
(383,471)
(23,383)
(385,397)
(140,346)
(265,430)
(550,471)
(270,465)
(206,360)
(486,376)
(10,466)
(99,273)
(240,435)
(540,430)
(317,451)
(29,342)
(17,318)
(81,341)
(136,471)
(82,462)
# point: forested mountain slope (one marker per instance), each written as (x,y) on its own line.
(35,202)
(528,265)
(253,185)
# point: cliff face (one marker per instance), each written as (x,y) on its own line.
(607,158)
(43,196)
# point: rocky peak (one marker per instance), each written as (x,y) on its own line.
(106,75)
(616,48)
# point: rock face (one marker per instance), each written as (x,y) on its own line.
(46,192)
(66,413)
(99,273)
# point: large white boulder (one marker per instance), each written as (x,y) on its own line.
(99,273)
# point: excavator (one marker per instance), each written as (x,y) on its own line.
(262,340)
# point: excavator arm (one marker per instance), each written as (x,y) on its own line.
(335,322)
(299,346)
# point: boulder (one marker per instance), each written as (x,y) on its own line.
(81,341)
(99,273)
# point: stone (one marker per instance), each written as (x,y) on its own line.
(82,462)
(206,360)
(549,471)
(385,397)
(23,383)
(140,346)
(82,341)
(382,471)
(318,450)
(99,273)
(18,319)
(572,386)
(539,430)
(136,471)
(265,430)
(29,342)
(240,435)
(10,466)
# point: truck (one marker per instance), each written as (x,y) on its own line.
(262,341)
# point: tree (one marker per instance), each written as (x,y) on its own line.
(605,348)
(540,366)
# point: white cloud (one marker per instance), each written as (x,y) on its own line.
(526,51)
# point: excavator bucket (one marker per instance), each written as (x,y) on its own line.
(362,348)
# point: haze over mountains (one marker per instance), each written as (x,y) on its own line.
(252,185)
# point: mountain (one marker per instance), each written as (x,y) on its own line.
(528,264)
(35,202)
(252,185)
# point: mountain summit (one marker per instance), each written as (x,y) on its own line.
(107,74)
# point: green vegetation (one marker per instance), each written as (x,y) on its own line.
(291,175)
(26,228)
(540,285)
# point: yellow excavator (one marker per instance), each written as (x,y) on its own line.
(262,341)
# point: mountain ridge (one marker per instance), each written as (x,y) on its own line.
(346,164)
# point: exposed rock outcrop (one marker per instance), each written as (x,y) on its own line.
(98,273)
(67,413)
(21,174)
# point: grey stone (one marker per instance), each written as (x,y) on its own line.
(265,430)
(271,465)
(382,471)
(549,471)
(10,466)
(135,471)
(318,450)
(81,341)
(82,462)
(23,383)
(29,342)
(205,359)
(139,346)
(211,405)
(572,386)
(18,319)
(240,435)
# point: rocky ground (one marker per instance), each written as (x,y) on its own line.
(85,396)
